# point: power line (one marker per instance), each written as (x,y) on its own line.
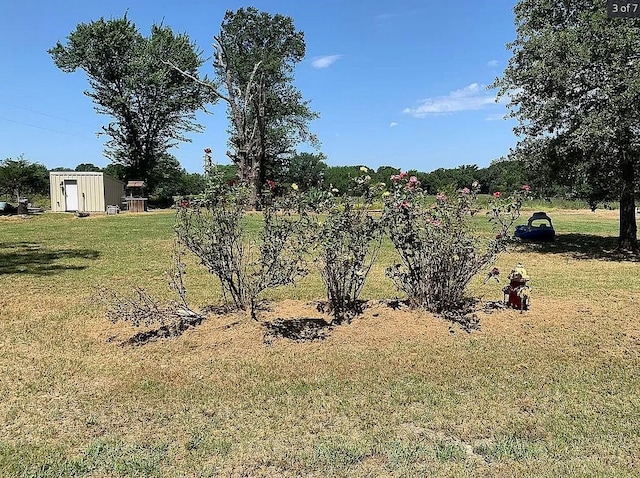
(46,129)
(42,113)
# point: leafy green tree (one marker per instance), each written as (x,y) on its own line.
(19,177)
(573,86)
(167,180)
(151,104)
(441,178)
(194,183)
(306,170)
(88,167)
(341,177)
(254,61)
(116,170)
(383,174)
(505,176)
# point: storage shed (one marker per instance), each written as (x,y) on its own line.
(84,191)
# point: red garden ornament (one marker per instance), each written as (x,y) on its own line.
(517,293)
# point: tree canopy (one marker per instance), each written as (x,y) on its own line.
(574,86)
(307,170)
(151,104)
(87,167)
(19,177)
(255,57)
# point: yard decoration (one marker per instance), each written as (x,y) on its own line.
(518,292)
(539,228)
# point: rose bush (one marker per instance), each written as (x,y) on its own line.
(440,252)
(348,239)
(211,226)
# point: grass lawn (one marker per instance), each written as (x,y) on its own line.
(554,391)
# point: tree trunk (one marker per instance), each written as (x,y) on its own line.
(256,194)
(628,238)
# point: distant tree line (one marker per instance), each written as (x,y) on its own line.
(310,170)
(20,177)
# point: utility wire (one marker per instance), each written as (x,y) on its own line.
(46,129)
(42,113)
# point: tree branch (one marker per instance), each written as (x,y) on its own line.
(198,80)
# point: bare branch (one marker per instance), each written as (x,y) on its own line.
(198,80)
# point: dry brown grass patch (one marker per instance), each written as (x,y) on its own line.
(549,392)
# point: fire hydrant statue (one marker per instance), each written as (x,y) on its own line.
(517,293)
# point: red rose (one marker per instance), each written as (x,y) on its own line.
(496,194)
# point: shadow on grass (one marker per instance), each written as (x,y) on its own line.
(164,332)
(583,246)
(301,329)
(32,258)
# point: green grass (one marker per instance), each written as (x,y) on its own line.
(551,392)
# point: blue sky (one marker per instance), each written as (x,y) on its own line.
(400,83)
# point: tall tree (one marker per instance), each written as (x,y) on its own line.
(255,57)
(573,83)
(152,105)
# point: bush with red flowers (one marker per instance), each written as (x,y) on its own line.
(440,252)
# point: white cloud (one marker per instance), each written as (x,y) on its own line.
(325,61)
(493,63)
(393,124)
(471,97)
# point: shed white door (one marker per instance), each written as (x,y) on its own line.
(71,195)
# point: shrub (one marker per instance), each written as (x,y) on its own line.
(211,227)
(439,250)
(348,240)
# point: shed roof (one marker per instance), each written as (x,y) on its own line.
(135,184)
